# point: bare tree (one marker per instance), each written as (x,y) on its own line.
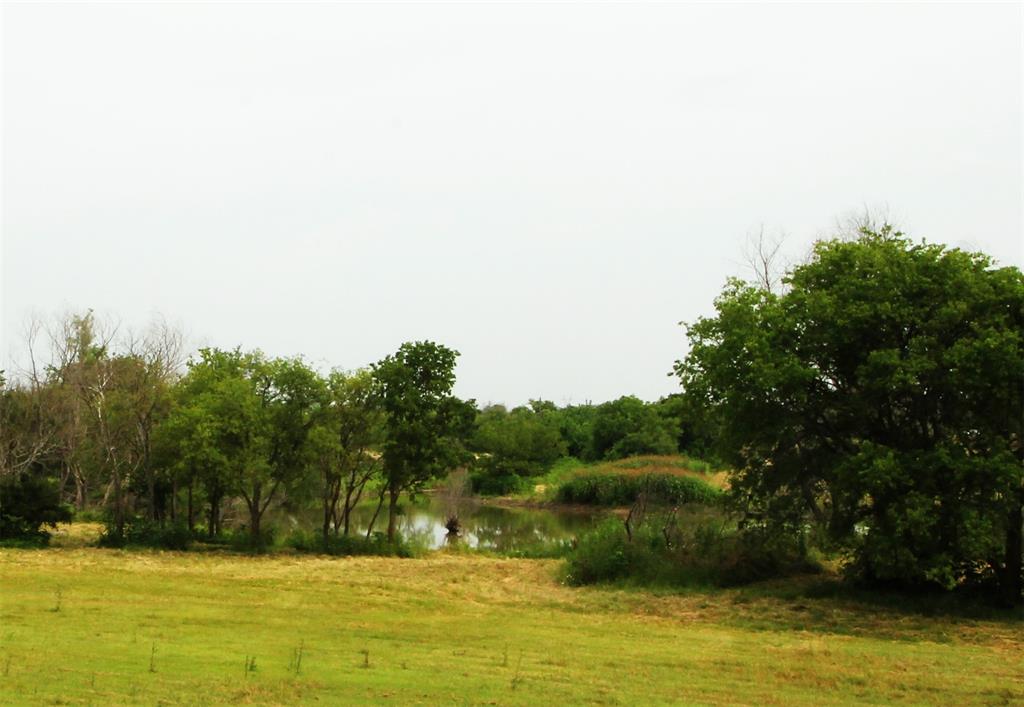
(852,225)
(159,357)
(75,340)
(762,254)
(27,428)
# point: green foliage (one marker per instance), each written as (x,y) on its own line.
(513,447)
(340,445)
(575,424)
(605,554)
(881,396)
(609,489)
(495,480)
(706,550)
(522,441)
(141,532)
(695,432)
(628,427)
(426,426)
(242,426)
(344,545)
(244,540)
(28,504)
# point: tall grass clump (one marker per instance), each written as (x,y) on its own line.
(680,462)
(609,489)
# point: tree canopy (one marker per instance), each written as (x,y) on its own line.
(880,393)
(426,425)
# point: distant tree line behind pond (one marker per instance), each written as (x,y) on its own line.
(868,403)
(124,426)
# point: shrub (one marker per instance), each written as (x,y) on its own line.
(313,542)
(486,484)
(708,550)
(241,539)
(27,504)
(603,489)
(140,532)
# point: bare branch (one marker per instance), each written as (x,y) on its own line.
(762,254)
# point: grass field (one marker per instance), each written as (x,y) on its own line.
(90,626)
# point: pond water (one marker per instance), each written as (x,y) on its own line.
(483,526)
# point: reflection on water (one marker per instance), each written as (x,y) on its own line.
(482,526)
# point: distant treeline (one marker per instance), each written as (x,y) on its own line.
(124,426)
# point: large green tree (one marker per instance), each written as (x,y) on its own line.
(425,424)
(245,422)
(880,394)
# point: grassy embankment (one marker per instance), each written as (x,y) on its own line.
(544,489)
(90,626)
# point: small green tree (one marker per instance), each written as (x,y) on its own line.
(342,446)
(189,446)
(425,424)
(28,502)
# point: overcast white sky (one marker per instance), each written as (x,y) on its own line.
(547,188)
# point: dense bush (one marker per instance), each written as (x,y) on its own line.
(27,504)
(608,489)
(241,539)
(605,554)
(512,446)
(704,550)
(139,532)
(488,483)
(377,544)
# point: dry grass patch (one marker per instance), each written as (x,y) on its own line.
(671,465)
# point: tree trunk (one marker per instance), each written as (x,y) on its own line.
(327,522)
(376,512)
(1013,582)
(151,492)
(118,506)
(214,528)
(174,500)
(348,508)
(190,516)
(254,515)
(150,487)
(81,490)
(393,493)
(254,527)
(65,474)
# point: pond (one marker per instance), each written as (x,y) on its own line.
(483,526)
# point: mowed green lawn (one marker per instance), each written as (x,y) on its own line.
(90,626)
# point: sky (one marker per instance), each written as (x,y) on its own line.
(549,189)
